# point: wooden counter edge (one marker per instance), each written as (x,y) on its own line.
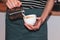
(55,13)
(2,7)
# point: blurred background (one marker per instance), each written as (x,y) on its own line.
(53,21)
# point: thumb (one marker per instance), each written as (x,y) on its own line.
(19,3)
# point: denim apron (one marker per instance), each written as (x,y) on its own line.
(15,30)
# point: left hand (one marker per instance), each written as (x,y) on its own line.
(36,26)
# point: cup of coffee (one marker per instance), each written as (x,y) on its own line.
(30,19)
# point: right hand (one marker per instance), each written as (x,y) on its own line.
(13,3)
(36,26)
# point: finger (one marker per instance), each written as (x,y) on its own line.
(8,6)
(28,26)
(18,4)
(12,2)
(31,26)
(38,24)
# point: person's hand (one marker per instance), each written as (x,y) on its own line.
(36,26)
(13,3)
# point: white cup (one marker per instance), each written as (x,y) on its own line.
(30,19)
